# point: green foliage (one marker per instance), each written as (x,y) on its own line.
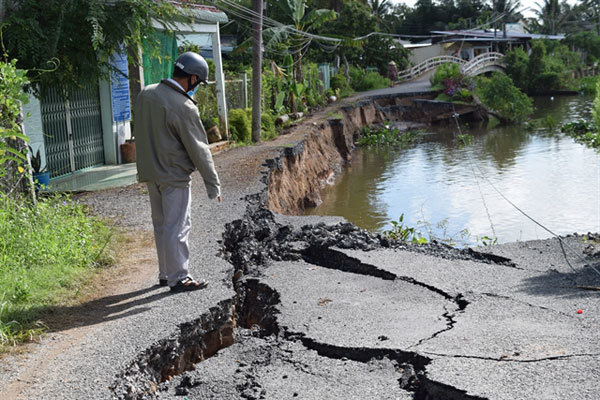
(386,136)
(588,43)
(12,81)
(268,130)
(587,85)
(517,62)
(585,132)
(455,85)
(46,251)
(338,81)
(361,81)
(500,94)
(240,125)
(404,233)
(75,39)
(596,106)
(546,68)
(444,72)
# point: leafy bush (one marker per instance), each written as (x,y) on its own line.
(587,85)
(240,125)
(361,81)
(268,130)
(587,42)
(501,95)
(545,68)
(517,62)
(12,149)
(338,81)
(444,72)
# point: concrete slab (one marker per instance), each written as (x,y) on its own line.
(572,378)
(334,307)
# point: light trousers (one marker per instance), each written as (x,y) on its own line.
(172,221)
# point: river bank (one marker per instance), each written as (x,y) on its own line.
(316,308)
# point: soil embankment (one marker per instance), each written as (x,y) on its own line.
(298,175)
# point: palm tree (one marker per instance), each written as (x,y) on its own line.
(552,15)
(508,9)
(379,8)
(593,9)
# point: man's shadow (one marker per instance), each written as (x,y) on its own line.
(109,308)
(584,281)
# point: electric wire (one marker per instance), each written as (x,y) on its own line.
(560,241)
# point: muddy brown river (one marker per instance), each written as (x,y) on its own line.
(446,190)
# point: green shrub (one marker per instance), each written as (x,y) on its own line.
(501,95)
(516,67)
(444,72)
(338,81)
(240,125)
(361,81)
(587,85)
(267,123)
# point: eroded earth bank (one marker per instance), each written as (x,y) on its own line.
(324,310)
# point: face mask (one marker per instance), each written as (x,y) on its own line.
(192,92)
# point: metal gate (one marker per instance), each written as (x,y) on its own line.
(72,130)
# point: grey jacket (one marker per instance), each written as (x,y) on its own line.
(170,139)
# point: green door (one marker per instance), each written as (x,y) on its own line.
(72,130)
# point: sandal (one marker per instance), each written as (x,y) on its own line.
(189,284)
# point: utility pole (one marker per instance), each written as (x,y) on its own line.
(257,6)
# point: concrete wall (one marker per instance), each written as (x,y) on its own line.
(420,54)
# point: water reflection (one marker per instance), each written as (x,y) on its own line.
(554,179)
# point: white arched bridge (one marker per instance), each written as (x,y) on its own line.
(481,64)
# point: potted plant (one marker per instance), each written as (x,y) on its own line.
(211,125)
(41,176)
(128,151)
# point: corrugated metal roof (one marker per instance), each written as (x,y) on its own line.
(200,12)
(499,33)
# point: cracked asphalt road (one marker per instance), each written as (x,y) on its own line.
(353,319)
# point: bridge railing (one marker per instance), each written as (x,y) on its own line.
(470,67)
(482,61)
(427,65)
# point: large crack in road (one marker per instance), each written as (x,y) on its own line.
(256,323)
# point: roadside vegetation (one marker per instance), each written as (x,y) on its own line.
(48,251)
(49,246)
(497,93)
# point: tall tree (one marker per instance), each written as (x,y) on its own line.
(551,16)
(77,38)
(299,21)
(379,8)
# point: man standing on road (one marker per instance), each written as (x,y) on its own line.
(171,143)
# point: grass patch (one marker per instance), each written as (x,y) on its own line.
(46,252)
